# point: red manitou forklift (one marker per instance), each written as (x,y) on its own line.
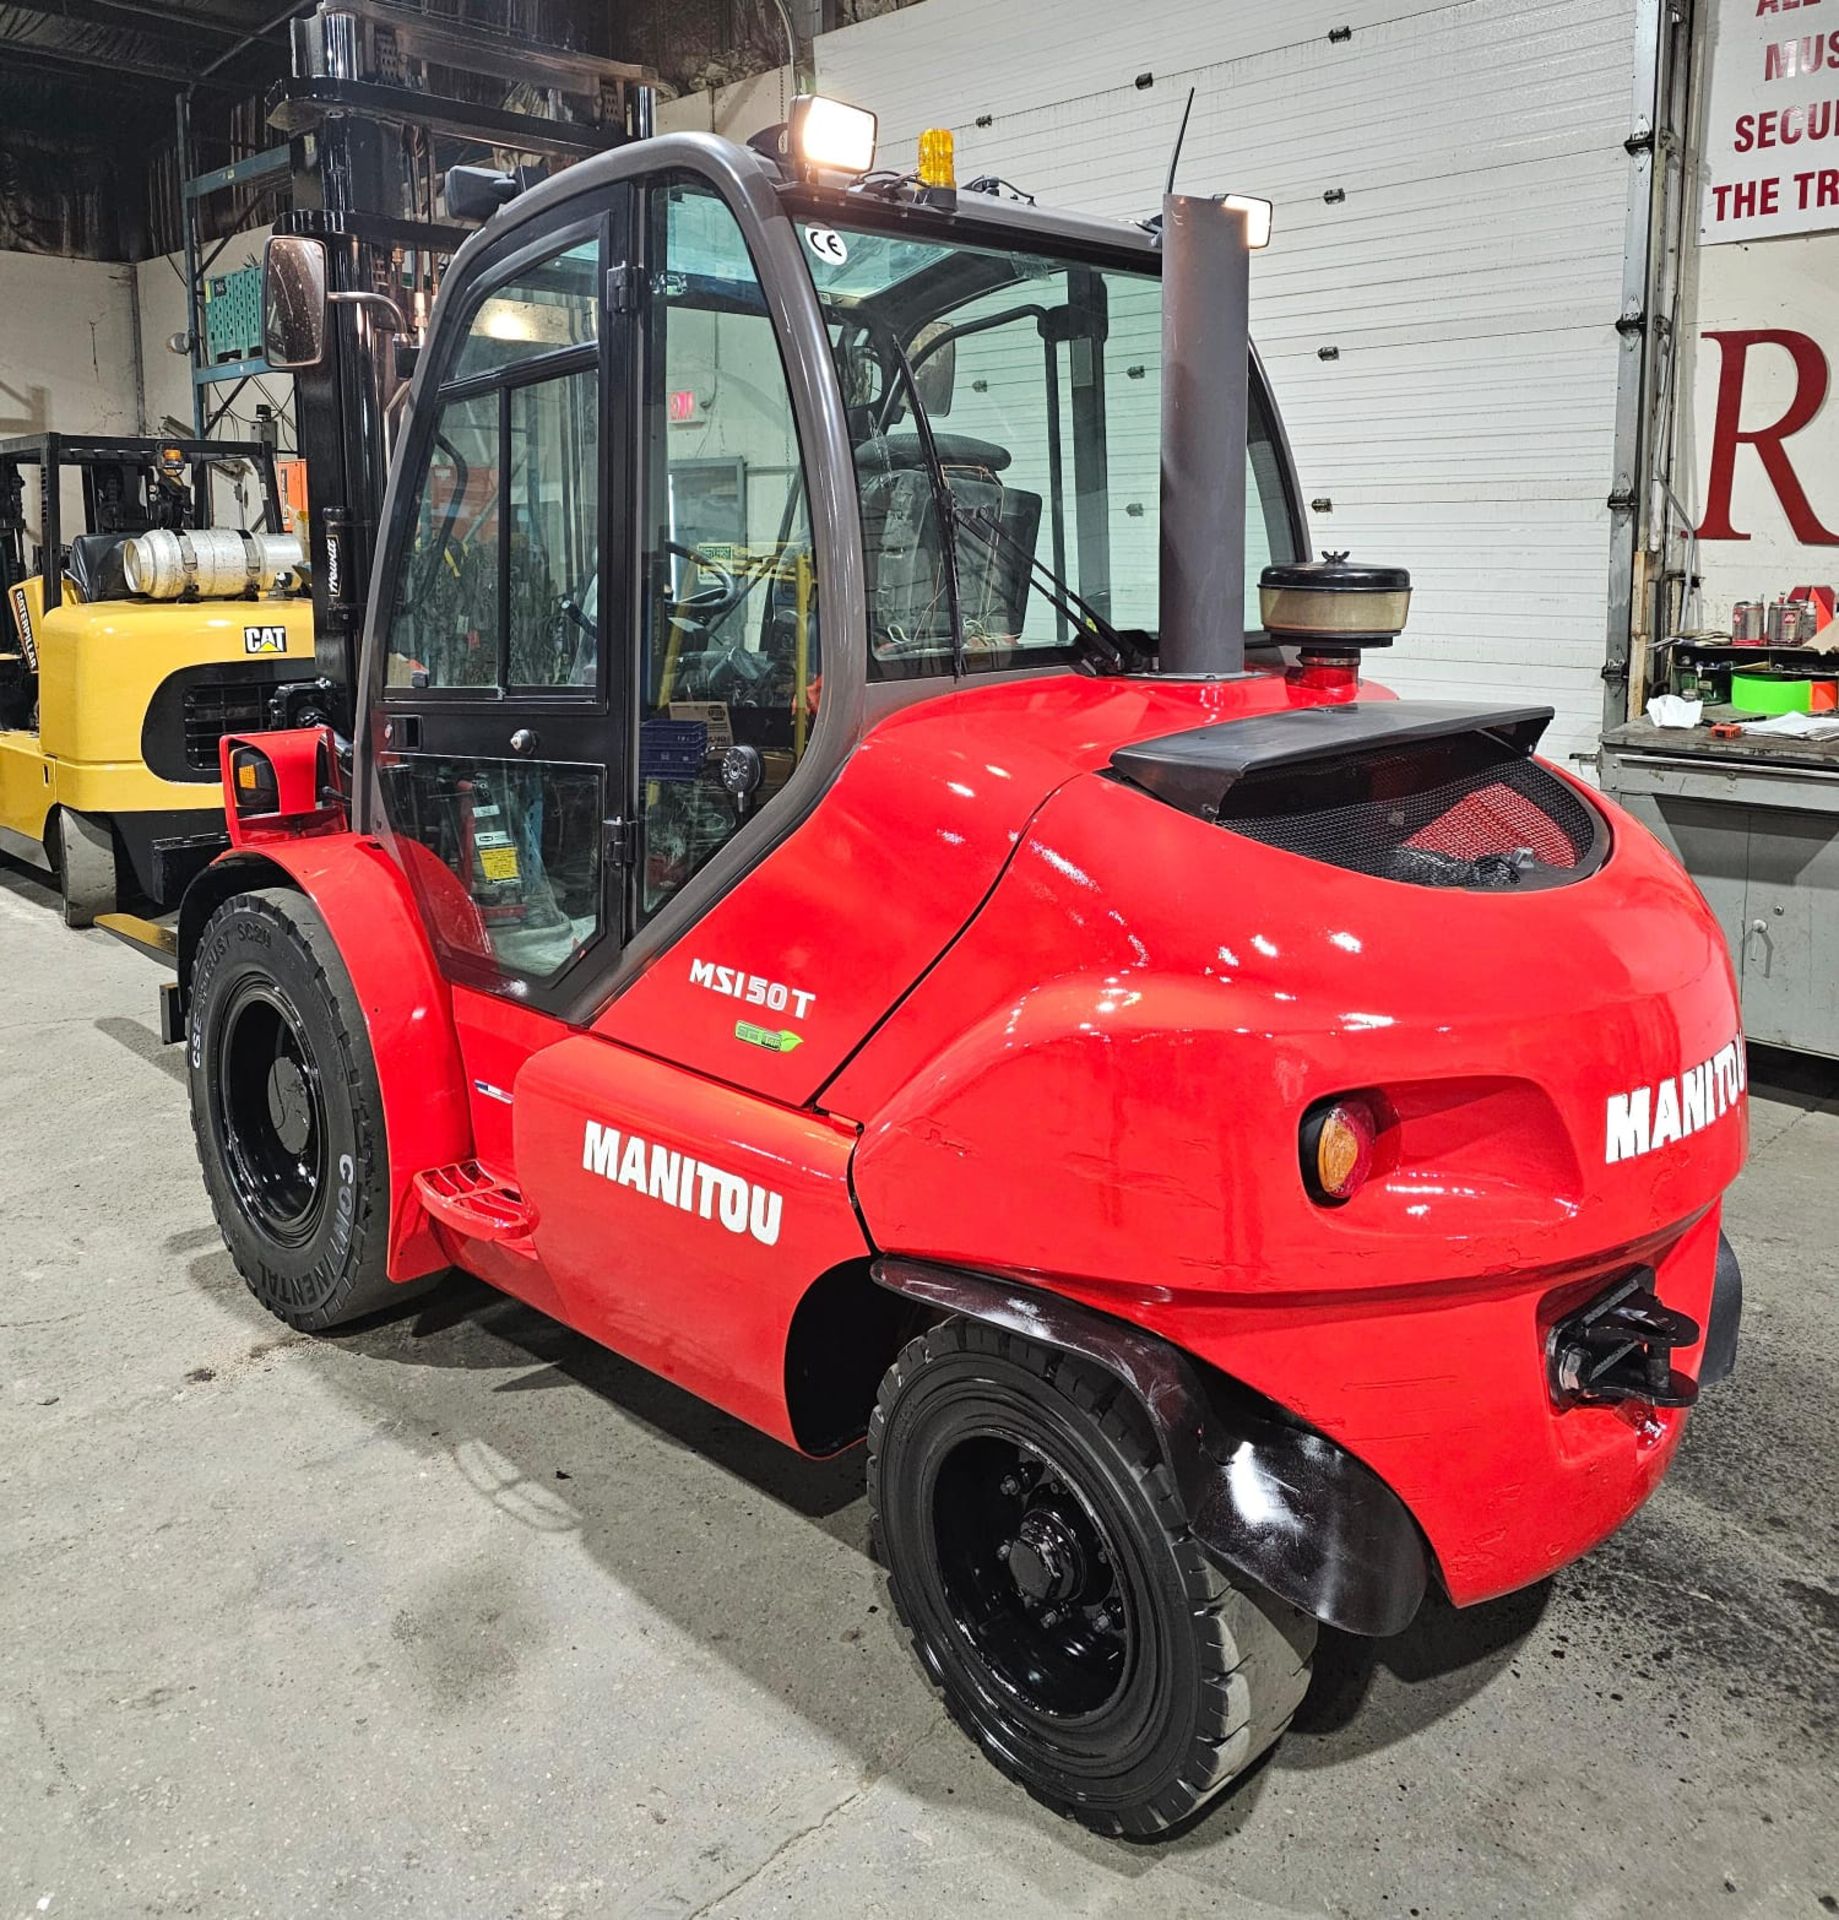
(860,873)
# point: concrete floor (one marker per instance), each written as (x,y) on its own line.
(458,1615)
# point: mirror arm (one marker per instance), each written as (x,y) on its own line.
(379,303)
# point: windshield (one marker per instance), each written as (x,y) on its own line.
(1038,381)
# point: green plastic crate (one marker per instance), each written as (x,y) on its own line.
(233,316)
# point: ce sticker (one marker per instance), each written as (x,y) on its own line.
(827,244)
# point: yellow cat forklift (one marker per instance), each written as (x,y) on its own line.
(127,651)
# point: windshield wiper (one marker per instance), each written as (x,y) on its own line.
(944,508)
(1110,648)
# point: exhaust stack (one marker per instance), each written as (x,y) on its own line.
(1206,354)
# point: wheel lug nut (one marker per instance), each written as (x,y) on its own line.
(1051,1618)
(1003,1548)
(1010,1485)
(1102,1621)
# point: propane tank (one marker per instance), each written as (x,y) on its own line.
(217,563)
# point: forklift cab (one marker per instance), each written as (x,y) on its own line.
(664,523)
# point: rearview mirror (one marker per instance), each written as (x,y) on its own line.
(293,302)
(935,367)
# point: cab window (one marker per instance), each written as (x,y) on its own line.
(499,586)
(497,596)
(730,670)
(1040,382)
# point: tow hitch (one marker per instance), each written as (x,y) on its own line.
(1619,1346)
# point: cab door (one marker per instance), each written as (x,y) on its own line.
(499,736)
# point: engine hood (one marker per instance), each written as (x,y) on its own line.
(1150,1003)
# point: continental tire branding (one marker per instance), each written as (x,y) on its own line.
(680,1180)
(345,1207)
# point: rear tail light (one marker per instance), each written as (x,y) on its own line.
(1337,1149)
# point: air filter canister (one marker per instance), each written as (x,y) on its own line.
(1333,603)
(217,564)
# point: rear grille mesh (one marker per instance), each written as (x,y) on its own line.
(1465,812)
(216,707)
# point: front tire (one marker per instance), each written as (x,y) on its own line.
(1039,1555)
(287,1111)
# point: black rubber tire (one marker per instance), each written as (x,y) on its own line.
(274,944)
(86,867)
(1214,1670)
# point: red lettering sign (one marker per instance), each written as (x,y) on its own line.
(1728,433)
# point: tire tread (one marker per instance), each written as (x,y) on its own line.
(1254,1649)
(363,1286)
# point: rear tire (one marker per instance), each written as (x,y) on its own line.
(85,866)
(1040,1557)
(287,1112)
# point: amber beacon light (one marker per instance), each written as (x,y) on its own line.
(938,159)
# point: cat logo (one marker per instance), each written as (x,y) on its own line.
(22,616)
(264,639)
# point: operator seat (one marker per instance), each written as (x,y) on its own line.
(903,548)
(97,567)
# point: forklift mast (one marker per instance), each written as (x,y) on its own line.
(380,102)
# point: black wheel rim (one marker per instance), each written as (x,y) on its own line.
(1031,1577)
(271,1114)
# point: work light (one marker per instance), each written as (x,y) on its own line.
(1257,217)
(827,136)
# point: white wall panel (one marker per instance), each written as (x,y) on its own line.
(67,365)
(69,346)
(1470,279)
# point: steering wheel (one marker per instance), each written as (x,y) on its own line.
(708,606)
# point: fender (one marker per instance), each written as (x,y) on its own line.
(1281,1505)
(1719,1359)
(407,1006)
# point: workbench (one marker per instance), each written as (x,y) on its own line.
(1755,821)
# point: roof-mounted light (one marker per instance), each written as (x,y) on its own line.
(828,136)
(1257,214)
(938,160)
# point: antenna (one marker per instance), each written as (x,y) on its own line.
(1181,134)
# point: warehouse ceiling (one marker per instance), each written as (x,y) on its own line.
(87,103)
(88,90)
(82,52)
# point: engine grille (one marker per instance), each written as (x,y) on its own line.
(1469,812)
(213,708)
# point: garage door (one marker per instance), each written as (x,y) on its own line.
(1437,311)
